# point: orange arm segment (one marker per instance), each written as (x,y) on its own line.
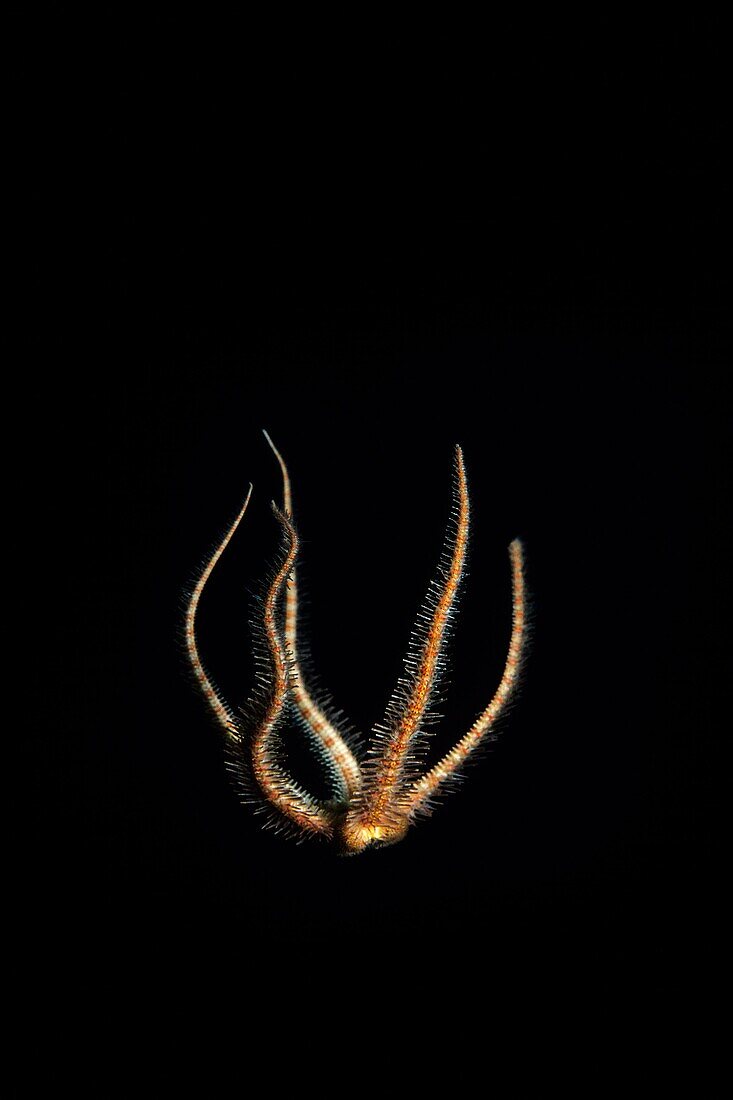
(421,792)
(220,708)
(338,753)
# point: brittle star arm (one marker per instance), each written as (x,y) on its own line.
(342,761)
(420,793)
(380,813)
(277,787)
(220,708)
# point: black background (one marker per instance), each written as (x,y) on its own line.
(376,252)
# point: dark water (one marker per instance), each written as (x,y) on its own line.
(566,326)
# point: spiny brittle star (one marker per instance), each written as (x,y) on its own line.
(377,795)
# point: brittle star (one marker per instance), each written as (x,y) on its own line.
(377,795)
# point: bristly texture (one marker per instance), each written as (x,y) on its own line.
(419,798)
(275,684)
(399,742)
(374,799)
(332,745)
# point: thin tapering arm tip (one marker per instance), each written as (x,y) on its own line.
(274,449)
(278,511)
